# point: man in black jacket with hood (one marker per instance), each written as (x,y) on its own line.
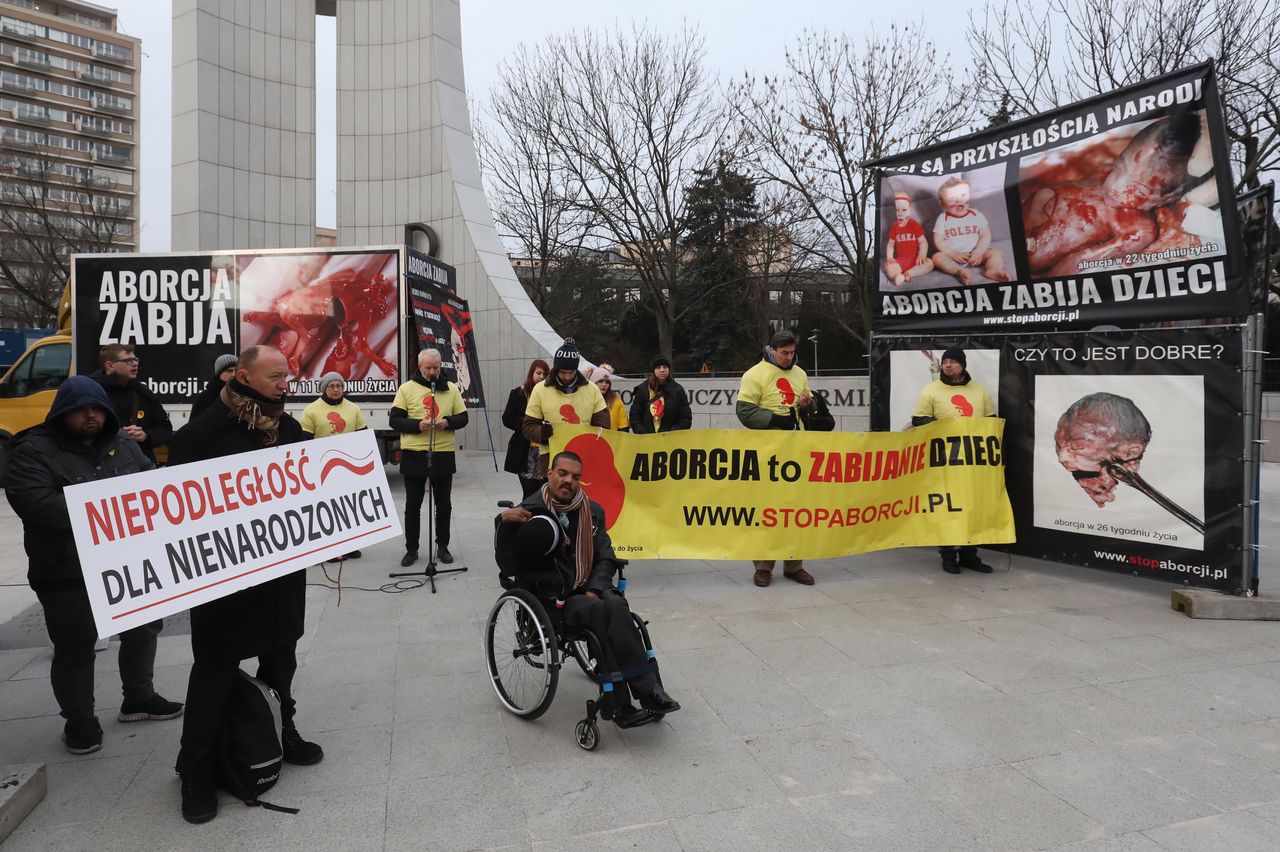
(263,621)
(140,414)
(79,441)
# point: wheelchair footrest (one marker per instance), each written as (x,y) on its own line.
(642,721)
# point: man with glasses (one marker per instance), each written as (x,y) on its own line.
(141,415)
(955,394)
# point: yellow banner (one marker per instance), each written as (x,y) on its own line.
(743,494)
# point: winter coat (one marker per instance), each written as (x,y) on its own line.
(552,576)
(263,618)
(212,390)
(136,405)
(44,460)
(676,412)
(517,460)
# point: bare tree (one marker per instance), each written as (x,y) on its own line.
(47,214)
(617,123)
(1030,57)
(839,103)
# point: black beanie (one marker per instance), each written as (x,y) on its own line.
(659,360)
(955,353)
(566,357)
(537,537)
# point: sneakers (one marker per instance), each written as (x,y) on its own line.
(659,702)
(199,798)
(298,751)
(82,736)
(408,559)
(155,708)
(443,554)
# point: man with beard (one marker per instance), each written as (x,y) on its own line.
(566,397)
(660,404)
(79,441)
(140,414)
(426,412)
(955,394)
(555,544)
(1098,432)
(774,394)
(263,621)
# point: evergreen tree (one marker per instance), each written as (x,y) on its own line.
(719,232)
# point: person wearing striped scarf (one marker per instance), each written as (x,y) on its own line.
(572,560)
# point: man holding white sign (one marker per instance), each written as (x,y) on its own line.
(79,441)
(263,621)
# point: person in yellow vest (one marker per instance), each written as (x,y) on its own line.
(773,395)
(332,414)
(660,403)
(566,397)
(602,377)
(426,412)
(955,394)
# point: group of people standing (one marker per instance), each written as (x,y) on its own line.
(561,393)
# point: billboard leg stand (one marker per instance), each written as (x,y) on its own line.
(431,571)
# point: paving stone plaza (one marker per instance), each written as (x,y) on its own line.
(888,707)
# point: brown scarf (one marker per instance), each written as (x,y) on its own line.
(254,410)
(582,545)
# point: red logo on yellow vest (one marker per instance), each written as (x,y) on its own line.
(432,409)
(788,393)
(656,407)
(600,477)
(568,415)
(963,406)
(141,415)
(335,420)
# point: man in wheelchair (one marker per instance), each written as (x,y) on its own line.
(555,545)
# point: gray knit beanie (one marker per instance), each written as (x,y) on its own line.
(223,362)
(331,376)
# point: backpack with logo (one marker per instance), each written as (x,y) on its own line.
(250,753)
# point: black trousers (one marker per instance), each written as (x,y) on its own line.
(609,618)
(69,620)
(962,553)
(207,691)
(415,489)
(529,486)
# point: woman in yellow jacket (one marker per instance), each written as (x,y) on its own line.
(602,377)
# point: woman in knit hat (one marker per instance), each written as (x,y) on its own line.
(660,404)
(224,367)
(602,377)
(331,413)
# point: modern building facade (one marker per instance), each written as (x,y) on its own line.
(244,147)
(69,109)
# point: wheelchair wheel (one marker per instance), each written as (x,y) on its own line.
(587,734)
(581,651)
(521,653)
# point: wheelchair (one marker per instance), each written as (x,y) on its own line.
(526,642)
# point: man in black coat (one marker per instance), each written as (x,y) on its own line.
(140,414)
(79,441)
(576,564)
(659,403)
(263,621)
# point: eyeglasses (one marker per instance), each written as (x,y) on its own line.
(126,360)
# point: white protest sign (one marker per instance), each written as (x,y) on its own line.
(163,541)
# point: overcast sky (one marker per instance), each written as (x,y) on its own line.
(740,35)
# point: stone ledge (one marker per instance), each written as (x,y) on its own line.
(1204,603)
(22,787)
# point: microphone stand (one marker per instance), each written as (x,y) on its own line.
(430,571)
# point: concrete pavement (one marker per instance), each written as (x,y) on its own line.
(891,706)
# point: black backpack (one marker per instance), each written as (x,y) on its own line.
(250,753)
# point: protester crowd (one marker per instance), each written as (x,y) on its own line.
(108,424)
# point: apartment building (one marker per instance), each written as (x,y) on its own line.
(69,110)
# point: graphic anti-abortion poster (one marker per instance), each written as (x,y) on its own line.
(1104,211)
(444,323)
(1122,449)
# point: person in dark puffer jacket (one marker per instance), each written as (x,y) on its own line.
(79,441)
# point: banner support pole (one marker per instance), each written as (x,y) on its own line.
(1252,379)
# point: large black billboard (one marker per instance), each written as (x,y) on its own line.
(1107,211)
